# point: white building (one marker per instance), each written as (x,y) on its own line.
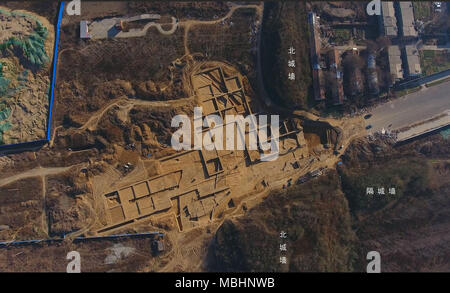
(84,30)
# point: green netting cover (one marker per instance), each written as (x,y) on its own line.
(32,47)
(4,112)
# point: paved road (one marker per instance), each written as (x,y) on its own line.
(425,79)
(412,108)
(436,47)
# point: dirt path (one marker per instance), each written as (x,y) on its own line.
(52,138)
(93,121)
(36,172)
(44,223)
(128,104)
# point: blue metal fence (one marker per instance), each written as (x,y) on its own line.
(78,239)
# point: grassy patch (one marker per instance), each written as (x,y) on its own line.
(434,61)
(446,133)
(341,36)
(437,82)
(422,10)
(405,92)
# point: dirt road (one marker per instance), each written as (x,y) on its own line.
(36,172)
(128,104)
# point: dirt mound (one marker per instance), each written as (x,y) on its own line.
(336,11)
(64,219)
(341,10)
(67,211)
(314,216)
(408,228)
(148,90)
(279,34)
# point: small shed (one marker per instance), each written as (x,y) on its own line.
(84,30)
(160,245)
(157,246)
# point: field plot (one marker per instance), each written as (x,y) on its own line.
(21,210)
(434,61)
(111,255)
(26,50)
(231,39)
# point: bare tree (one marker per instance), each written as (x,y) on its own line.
(383,42)
(352,62)
(330,80)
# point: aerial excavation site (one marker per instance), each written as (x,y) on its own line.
(224,136)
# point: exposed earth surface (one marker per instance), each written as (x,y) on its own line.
(109,168)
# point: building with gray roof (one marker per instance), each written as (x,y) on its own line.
(387,20)
(412,64)
(395,62)
(407,28)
